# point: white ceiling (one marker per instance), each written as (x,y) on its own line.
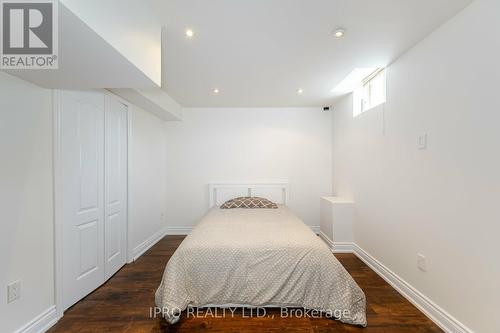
(259,52)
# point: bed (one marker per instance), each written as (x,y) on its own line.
(257,258)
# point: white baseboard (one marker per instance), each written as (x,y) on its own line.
(179,230)
(315,229)
(326,239)
(337,247)
(439,316)
(147,244)
(41,323)
(343,247)
(442,318)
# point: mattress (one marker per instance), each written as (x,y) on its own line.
(257,257)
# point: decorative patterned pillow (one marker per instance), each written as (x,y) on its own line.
(249,202)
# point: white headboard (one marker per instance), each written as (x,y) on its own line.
(219,193)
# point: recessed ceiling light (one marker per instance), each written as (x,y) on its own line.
(300,91)
(216,91)
(339,33)
(189,33)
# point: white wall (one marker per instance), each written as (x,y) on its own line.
(247,145)
(147,151)
(26,194)
(26,237)
(443,201)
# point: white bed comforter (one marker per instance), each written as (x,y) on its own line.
(257,257)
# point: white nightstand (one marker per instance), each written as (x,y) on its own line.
(336,223)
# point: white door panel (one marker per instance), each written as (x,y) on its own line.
(82,179)
(89,256)
(115,185)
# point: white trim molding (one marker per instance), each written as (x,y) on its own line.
(58,226)
(343,247)
(327,240)
(337,247)
(147,244)
(315,229)
(42,322)
(440,317)
(179,230)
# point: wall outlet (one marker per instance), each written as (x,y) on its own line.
(422,262)
(13,291)
(422,141)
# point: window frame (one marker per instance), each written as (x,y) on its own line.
(365,92)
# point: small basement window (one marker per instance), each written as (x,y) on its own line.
(371,92)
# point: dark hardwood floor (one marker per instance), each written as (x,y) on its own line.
(123,305)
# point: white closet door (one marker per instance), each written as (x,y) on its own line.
(115,206)
(82,193)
